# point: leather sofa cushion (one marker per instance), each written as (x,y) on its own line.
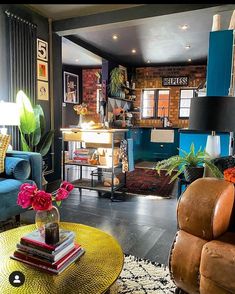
(18,168)
(208,286)
(205,208)
(184,261)
(218,262)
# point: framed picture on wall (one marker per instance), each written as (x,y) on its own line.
(42,50)
(42,70)
(71,88)
(43,91)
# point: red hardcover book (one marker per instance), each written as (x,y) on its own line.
(37,260)
(45,255)
(49,269)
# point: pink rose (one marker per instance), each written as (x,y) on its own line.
(42,201)
(28,187)
(61,194)
(24,199)
(67,186)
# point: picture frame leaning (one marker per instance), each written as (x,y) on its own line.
(71,88)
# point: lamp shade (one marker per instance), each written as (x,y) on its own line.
(9,114)
(212,113)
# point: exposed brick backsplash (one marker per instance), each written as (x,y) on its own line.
(151,77)
(89,90)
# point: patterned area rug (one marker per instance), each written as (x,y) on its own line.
(148,182)
(141,276)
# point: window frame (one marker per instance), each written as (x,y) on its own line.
(156,96)
(194,95)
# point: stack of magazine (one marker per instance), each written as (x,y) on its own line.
(33,250)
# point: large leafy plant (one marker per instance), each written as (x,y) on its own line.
(32,126)
(180,163)
(116,81)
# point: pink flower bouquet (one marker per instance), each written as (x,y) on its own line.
(30,196)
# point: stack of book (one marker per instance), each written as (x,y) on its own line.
(33,250)
(81,155)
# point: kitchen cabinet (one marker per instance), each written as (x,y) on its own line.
(145,150)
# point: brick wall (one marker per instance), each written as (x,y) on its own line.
(151,77)
(89,90)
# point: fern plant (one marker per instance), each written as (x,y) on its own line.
(180,163)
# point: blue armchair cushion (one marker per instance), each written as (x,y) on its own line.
(17,168)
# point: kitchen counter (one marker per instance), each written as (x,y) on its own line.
(198,132)
(151,127)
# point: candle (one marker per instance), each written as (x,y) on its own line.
(52,233)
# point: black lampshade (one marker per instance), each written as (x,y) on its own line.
(212,113)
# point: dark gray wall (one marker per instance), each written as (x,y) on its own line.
(69,116)
(42,33)
(4,77)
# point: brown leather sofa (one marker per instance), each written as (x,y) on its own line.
(202,257)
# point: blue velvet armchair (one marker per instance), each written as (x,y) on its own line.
(20,167)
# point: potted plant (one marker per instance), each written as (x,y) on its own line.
(34,137)
(116,82)
(190,163)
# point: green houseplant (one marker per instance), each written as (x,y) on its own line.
(32,126)
(190,163)
(116,82)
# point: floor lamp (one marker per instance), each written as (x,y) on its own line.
(213,114)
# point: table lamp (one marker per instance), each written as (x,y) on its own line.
(9,116)
(214,114)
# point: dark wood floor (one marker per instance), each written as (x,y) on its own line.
(145,227)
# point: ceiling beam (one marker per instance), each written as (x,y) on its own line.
(71,25)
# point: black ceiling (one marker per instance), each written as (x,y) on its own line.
(153,30)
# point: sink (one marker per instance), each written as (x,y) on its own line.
(162,136)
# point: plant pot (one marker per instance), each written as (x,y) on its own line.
(193,173)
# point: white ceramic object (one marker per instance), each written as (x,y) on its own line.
(216,23)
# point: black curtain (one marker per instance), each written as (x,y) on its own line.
(22,52)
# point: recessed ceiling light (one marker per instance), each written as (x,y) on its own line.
(189,60)
(187,47)
(133,51)
(184,27)
(148,61)
(115,37)
(77,60)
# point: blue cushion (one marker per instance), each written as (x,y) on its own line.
(17,168)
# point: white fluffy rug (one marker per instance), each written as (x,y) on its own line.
(141,276)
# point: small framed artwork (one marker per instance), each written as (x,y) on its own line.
(43,91)
(42,70)
(42,50)
(71,88)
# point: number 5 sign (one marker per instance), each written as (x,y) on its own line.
(42,50)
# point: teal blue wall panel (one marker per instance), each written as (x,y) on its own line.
(219,63)
(199,140)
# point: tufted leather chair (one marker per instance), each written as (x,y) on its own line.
(202,257)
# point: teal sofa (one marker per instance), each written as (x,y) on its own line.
(20,167)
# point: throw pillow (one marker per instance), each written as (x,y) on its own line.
(17,168)
(4,142)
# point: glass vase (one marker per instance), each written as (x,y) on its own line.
(80,121)
(45,217)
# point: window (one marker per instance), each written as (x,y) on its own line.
(155,103)
(185,100)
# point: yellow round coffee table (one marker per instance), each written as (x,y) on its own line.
(92,273)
